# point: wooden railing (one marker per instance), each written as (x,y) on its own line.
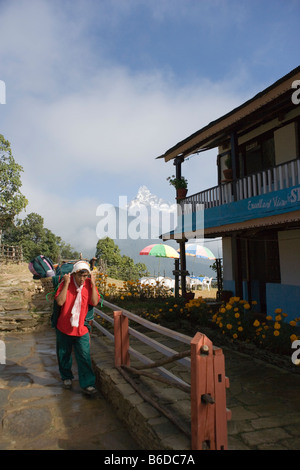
(279,177)
(11,254)
(208,383)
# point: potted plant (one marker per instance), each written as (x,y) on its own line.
(228,170)
(180,184)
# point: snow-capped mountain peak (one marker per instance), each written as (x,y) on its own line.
(146,198)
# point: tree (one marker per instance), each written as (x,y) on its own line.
(118,266)
(35,239)
(12,201)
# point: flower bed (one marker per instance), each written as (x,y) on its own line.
(235,319)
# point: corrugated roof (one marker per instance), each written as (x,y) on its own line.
(211,135)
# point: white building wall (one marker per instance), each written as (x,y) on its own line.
(289,255)
(227,259)
(286,143)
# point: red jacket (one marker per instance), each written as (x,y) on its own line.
(64,319)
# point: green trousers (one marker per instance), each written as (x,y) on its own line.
(81,345)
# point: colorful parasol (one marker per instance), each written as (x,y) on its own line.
(199,251)
(160,251)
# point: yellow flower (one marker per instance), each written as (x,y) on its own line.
(293,323)
(269,318)
(228,307)
(277,326)
(234,335)
(229,326)
(256,323)
(222,310)
(237,315)
(278,310)
(240,328)
(247,306)
(278,318)
(122,298)
(254,302)
(293,338)
(276,333)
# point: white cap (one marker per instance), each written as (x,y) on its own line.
(79,266)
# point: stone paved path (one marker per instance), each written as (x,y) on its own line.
(36,413)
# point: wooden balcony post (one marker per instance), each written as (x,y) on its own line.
(121,335)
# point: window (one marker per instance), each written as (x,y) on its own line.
(257,155)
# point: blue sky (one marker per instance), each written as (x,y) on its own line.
(95,90)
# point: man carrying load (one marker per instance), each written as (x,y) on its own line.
(74,296)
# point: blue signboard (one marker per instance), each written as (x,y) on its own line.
(265,205)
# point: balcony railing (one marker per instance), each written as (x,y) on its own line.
(279,177)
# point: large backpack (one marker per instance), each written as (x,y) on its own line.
(41,267)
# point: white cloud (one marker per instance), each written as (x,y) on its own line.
(73,116)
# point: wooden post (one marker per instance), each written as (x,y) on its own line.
(222,414)
(208,396)
(121,334)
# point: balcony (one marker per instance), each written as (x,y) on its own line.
(280,177)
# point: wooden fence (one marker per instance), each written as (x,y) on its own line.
(208,382)
(11,254)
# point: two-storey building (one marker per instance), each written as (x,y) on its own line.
(256,208)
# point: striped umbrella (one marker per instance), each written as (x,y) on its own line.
(199,251)
(160,251)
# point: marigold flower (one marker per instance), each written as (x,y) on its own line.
(293,338)
(269,318)
(247,306)
(228,307)
(229,326)
(237,315)
(256,323)
(278,318)
(277,326)
(222,310)
(240,328)
(293,323)
(276,333)
(234,335)
(278,310)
